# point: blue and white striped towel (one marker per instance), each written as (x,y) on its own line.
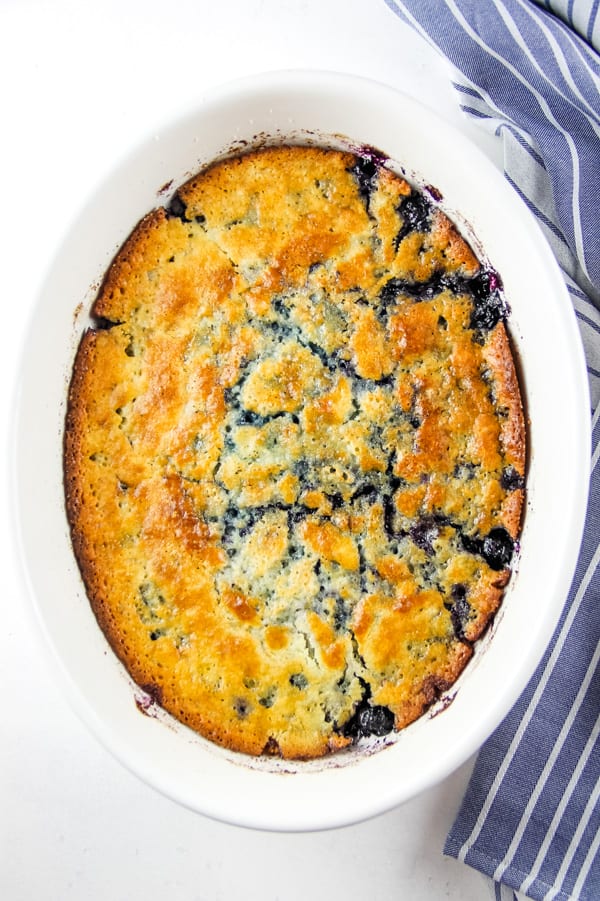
(530,71)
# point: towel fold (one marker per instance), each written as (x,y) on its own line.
(530,72)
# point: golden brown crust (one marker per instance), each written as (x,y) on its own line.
(295,452)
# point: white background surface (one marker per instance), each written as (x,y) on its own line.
(80,84)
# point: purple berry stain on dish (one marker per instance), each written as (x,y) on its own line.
(149,699)
(434,193)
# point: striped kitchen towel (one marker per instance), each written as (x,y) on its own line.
(530,72)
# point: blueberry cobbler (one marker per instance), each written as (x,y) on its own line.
(295,452)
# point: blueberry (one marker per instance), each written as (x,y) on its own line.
(297,514)
(345,366)
(249,417)
(150,596)
(319,352)
(489,307)
(365,172)
(415,211)
(415,290)
(341,614)
(241,707)
(424,533)
(465,471)
(249,517)
(230,395)
(511,480)
(498,548)
(269,699)
(488,313)
(389,515)
(240,522)
(460,610)
(279,306)
(298,680)
(177,209)
(391,290)
(489,304)
(301,468)
(485,282)
(376,720)
(369,720)
(472,544)
(365,490)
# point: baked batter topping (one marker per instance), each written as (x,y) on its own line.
(295,451)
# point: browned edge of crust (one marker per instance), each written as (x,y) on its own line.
(107,303)
(498,355)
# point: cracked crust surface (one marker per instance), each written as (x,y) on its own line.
(295,452)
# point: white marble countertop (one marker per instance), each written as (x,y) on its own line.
(81,83)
